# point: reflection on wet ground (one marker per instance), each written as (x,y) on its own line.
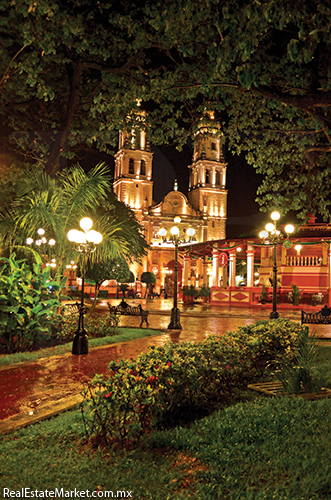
(28,387)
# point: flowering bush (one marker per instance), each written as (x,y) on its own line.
(162,385)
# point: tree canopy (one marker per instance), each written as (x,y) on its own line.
(57,205)
(71,73)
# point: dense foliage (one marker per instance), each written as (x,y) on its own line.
(29,300)
(71,74)
(160,387)
(57,205)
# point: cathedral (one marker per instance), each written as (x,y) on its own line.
(202,211)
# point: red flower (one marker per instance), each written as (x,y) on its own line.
(156,367)
(109,394)
(227,367)
(137,378)
(169,363)
(132,372)
(151,380)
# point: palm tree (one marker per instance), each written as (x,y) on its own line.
(57,205)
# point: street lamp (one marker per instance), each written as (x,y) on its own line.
(176,239)
(42,241)
(86,242)
(275,237)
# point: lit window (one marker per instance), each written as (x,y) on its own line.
(131,166)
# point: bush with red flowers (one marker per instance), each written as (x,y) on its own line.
(166,384)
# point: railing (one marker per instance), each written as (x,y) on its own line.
(303,260)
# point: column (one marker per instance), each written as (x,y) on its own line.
(213,176)
(329,280)
(250,265)
(205,271)
(223,177)
(232,269)
(186,270)
(283,255)
(215,267)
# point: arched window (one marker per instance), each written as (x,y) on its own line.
(207,180)
(131,166)
(142,167)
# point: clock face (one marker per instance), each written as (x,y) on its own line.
(287,244)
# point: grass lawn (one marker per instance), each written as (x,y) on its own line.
(260,448)
(265,449)
(122,335)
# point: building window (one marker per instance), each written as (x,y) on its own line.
(218,178)
(213,146)
(207,180)
(131,166)
(142,167)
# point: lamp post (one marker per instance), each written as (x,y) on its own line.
(175,238)
(275,237)
(86,242)
(42,241)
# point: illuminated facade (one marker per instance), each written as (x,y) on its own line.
(204,209)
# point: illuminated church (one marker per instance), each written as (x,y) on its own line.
(203,209)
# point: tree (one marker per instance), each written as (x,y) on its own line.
(58,204)
(113,269)
(150,280)
(71,75)
(264,67)
(59,61)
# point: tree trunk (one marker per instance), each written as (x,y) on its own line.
(96,294)
(53,162)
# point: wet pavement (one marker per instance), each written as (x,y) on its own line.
(35,390)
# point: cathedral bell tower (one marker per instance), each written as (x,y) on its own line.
(133,168)
(207,192)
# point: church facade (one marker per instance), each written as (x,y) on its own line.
(204,209)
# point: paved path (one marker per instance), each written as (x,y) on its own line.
(35,390)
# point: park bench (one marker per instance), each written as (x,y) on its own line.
(70,309)
(130,311)
(321,317)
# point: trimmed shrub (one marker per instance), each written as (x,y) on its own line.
(161,386)
(96,326)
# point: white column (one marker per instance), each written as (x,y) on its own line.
(186,270)
(232,277)
(205,269)
(250,266)
(213,176)
(215,267)
(223,177)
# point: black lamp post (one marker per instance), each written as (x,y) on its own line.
(176,239)
(86,243)
(271,235)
